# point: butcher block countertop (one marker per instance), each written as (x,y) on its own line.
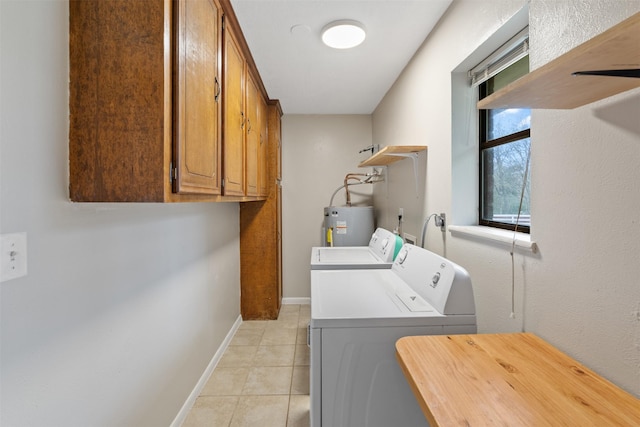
(508,380)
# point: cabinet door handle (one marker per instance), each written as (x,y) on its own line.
(249,125)
(243,120)
(217,89)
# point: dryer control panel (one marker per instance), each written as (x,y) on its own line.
(442,283)
(382,244)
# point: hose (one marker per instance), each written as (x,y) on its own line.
(342,186)
(424,228)
(346,185)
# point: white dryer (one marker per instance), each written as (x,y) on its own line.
(356,318)
(383,247)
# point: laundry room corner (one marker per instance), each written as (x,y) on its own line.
(318,151)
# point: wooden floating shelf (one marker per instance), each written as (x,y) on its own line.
(391,154)
(553,86)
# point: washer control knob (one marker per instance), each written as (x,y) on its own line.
(435,279)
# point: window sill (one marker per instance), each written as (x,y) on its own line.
(503,237)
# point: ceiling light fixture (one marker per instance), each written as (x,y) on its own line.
(343,34)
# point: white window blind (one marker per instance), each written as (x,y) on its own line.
(507,54)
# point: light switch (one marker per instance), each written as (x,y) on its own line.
(13,256)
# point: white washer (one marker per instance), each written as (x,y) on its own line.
(379,254)
(356,318)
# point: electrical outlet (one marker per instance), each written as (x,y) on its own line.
(408,238)
(13,256)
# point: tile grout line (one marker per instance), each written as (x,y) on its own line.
(237,414)
(293,366)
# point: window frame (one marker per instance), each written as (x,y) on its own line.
(484,144)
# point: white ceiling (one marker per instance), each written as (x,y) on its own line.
(311,78)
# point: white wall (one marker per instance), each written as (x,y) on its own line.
(317,153)
(580,292)
(124,305)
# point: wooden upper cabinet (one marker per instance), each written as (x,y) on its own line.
(157,103)
(252,137)
(244,137)
(263,150)
(119,101)
(197,101)
(143,108)
(275,137)
(234,117)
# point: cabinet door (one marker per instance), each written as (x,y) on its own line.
(233,116)
(275,161)
(198,115)
(263,151)
(120,112)
(252,137)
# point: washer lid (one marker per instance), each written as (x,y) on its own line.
(345,257)
(346,254)
(357,294)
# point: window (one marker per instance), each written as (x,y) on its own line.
(504,142)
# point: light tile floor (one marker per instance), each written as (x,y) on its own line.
(263,377)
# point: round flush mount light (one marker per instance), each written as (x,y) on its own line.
(343,34)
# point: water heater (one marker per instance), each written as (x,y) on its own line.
(348,225)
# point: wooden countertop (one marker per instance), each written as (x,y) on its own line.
(508,380)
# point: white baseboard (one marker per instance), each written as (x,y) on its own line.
(296,301)
(188,404)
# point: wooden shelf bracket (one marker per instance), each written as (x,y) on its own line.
(393,153)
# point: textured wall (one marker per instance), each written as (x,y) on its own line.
(583,294)
(580,292)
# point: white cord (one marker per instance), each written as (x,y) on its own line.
(513,243)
